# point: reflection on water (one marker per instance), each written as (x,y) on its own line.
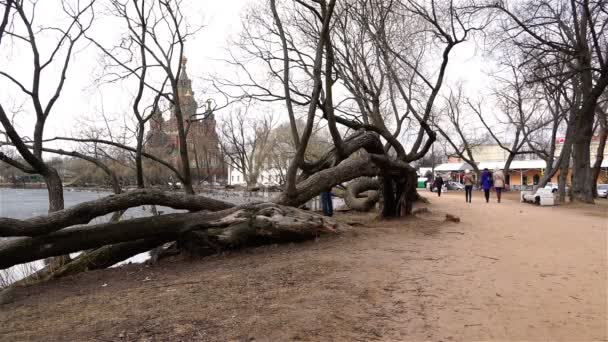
(25,203)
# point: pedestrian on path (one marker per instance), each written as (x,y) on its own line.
(499,182)
(468,185)
(438,184)
(486,183)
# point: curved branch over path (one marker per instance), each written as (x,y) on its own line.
(356,202)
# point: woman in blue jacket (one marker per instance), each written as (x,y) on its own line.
(486,183)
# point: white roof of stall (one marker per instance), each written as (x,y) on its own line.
(452,167)
(528,164)
(492,165)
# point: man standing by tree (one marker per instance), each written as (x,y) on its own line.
(326,203)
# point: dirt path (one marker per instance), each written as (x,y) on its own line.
(507,272)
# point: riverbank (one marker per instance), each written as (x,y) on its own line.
(507,271)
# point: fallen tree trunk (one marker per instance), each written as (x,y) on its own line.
(85,212)
(106,256)
(100,258)
(355,201)
(265,222)
(270,224)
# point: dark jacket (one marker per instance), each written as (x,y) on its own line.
(486,180)
(438,182)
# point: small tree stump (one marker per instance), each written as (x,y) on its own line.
(452,218)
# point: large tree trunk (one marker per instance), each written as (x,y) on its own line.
(85,212)
(183,142)
(351,168)
(106,256)
(599,155)
(100,258)
(56,203)
(507,167)
(398,194)
(562,179)
(550,171)
(139,167)
(239,226)
(266,224)
(55,190)
(353,198)
(582,178)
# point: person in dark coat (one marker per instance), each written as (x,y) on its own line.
(438,184)
(486,183)
(468,181)
(326,203)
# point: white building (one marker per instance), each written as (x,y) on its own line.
(267,177)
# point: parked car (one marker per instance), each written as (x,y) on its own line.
(602,190)
(454,186)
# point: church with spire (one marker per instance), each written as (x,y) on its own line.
(204,152)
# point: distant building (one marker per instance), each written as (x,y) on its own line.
(267,177)
(525,170)
(204,152)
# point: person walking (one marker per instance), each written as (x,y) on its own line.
(486,183)
(326,203)
(438,184)
(499,182)
(468,185)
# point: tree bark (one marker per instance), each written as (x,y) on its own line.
(562,179)
(582,175)
(355,188)
(85,212)
(599,155)
(257,222)
(139,167)
(106,256)
(351,168)
(55,190)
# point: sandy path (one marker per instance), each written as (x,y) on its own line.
(507,272)
(519,272)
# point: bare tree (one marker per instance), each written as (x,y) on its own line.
(521,113)
(376,52)
(457,126)
(573,34)
(151,51)
(59,55)
(114,182)
(245,143)
(228,226)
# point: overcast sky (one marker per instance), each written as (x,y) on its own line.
(222,19)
